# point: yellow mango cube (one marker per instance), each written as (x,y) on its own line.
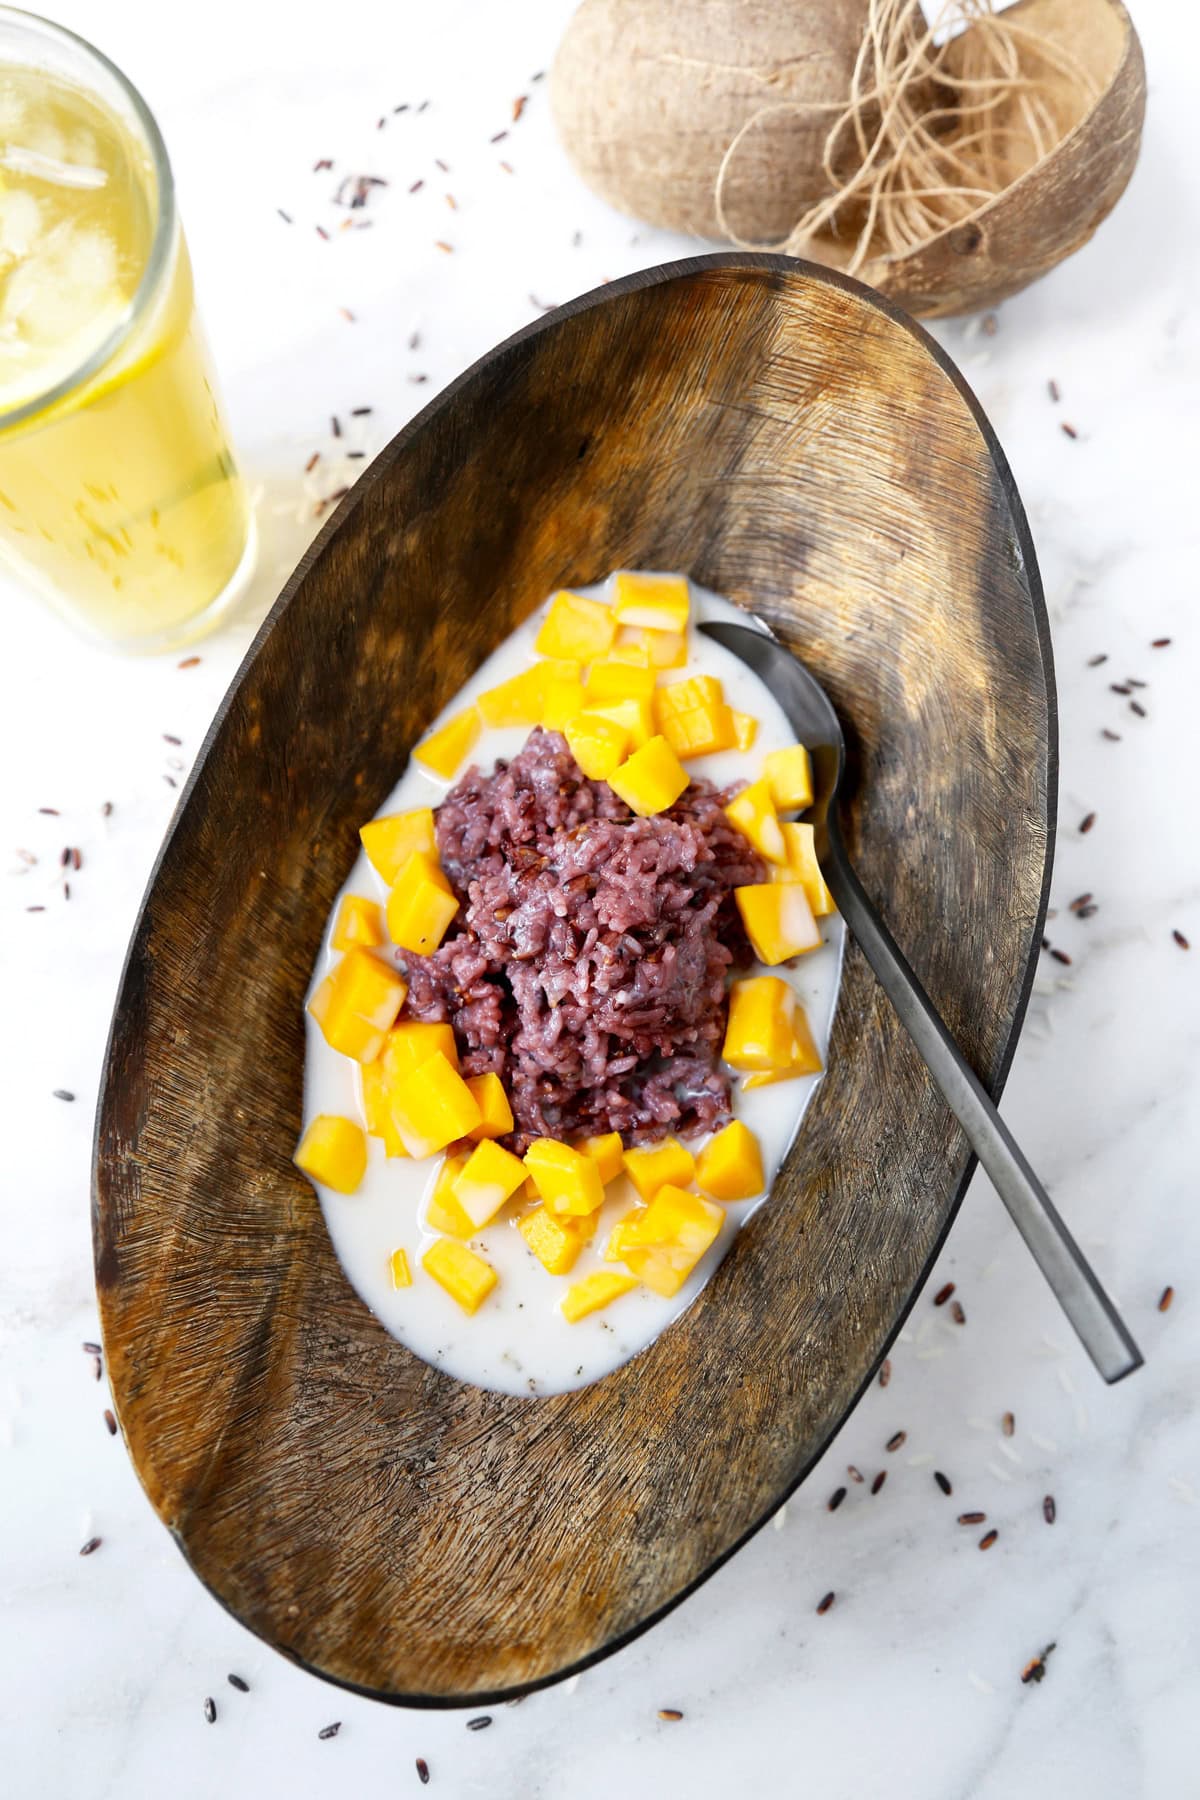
(593,1292)
(753,812)
(760,1032)
(576,628)
(690,695)
(401,1273)
(377,1105)
(442,1210)
(491,1176)
(465,1276)
(356,1004)
(623,1235)
(745,728)
(650,649)
(421,907)
(567,1180)
(655,602)
(562,699)
(412,1042)
(432,1105)
(802,866)
(607,1152)
(634,716)
(598,745)
(333,1151)
(659,1164)
(699,728)
(803,1057)
(616,680)
(789,776)
(778,919)
(651,779)
(555,1242)
(664,1245)
(495,1113)
(444,750)
(359,924)
(517,701)
(390,842)
(730,1166)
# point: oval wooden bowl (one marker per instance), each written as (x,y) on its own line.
(792,441)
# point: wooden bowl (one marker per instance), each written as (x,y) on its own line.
(795,442)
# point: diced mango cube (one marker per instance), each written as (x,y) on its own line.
(517,701)
(623,1235)
(730,1166)
(802,866)
(607,1152)
(555,1242)
(745,728)
(356,1003)
(593,1292)
(651,779)
(789,775)
(401,1273)
(492,1175)
(685,696)
(693,717)
(576,628)
(432,1105)
(495,1113)
(778,919)
(803,1056)
(377,1105)
(664,1245)
(333,1151)
(442,1210)
(465,1276)
(657,602)
(562,698)
(412,1042)
(650,649)
(359,924)
(760,1031)
(567,1180)
(390,842)
(616,680)
(753,812)
(444,750)
(420,908)
(634,716)
(598,745)
(658,1164)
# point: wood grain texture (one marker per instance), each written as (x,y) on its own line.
(791,441)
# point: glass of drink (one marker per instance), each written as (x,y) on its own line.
(120,499)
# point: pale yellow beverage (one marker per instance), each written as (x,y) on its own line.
(120,500)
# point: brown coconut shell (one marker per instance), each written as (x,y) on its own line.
(1054,208)
(647,95)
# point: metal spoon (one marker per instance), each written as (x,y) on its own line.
(812,717)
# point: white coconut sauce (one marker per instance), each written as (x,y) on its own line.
(518,1341)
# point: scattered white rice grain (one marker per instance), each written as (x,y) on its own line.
(1065,1382)
(932,1354)
(1043,1443)
(1182,1490)
(1082,1421)
(905,1336)
(979,1684)
(927,1329)
(1006,1449)
(977,1424)
(1000,1473)
(922,1461)
(1052,1347)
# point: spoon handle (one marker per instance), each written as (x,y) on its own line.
(1055,1251)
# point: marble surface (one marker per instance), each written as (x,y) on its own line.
(910,1684)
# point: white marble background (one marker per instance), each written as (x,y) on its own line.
(910,1684)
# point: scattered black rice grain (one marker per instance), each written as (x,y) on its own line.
(1080,900)
(418,380)
(1086,823)
(422,1771)
(335,425)
(1087,912)
(50,811)
(414,342)
(826,1602)
(671,1713)
(956,1311)
(1095,661)
(210,1710)
(35,909)
(170,781)
(1008,1424)
(417,185)
(988,1539)
(63,1094)
(1132,681)
(235,1681)
(66,890)
(897,1438)
(519,105)
(497,137)
(990,325)
(1165,1299)
(854,1474)
(93,1543)
(1135,706)
(885,1371)
(1035,1670)
(1068,430)
(110,1420)
(189,662)
(1181,940)
(424,106)
(1049,1510)
(835,1499)
(879,1481)
(328,1731)
(943,1294)
(1061,956)
(480,1723)
(355,455)
(1054,391)
(361,412)
(285,216)
(1114,737)
(97,1368)
(312,462)
(943,1481)
(322,233)
(170,738)
(90,1349)
(106,811)
(64,856)
(1119,687)
(1159,643)
(971,1518)
(325,162)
